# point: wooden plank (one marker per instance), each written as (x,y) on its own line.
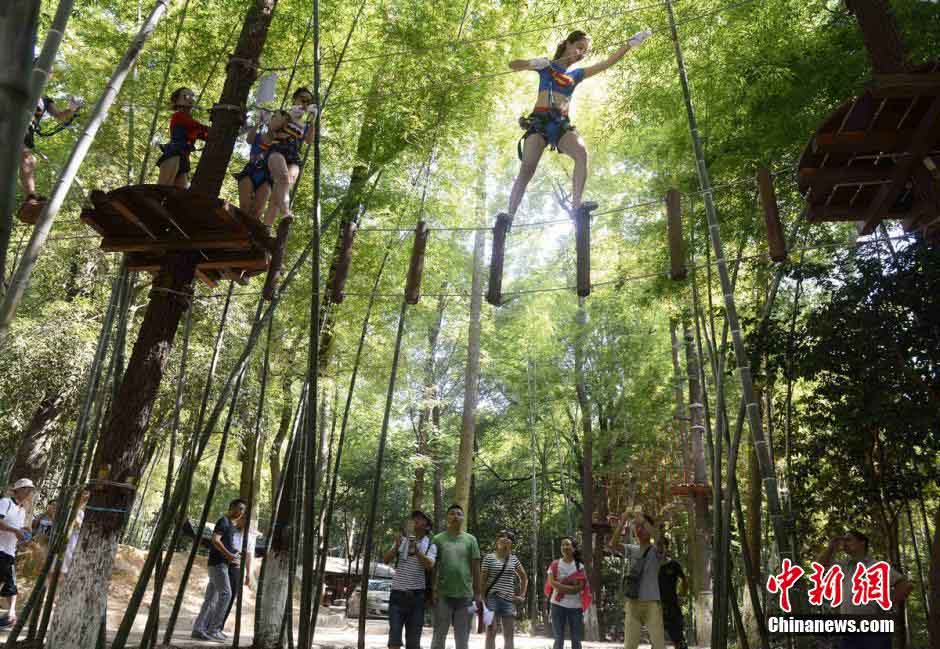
(906,85)
(124,211)
(160,212)
(146,245)
(856,174)
(924,136)
(250,263)
(205,279)
(877,141)
(824,213)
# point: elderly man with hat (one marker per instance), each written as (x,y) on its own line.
(415,556)
(13,530)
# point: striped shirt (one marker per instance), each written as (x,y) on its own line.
(505,586)
(410,575)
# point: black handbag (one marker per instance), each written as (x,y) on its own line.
(631,585)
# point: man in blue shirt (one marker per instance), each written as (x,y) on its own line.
(222,554)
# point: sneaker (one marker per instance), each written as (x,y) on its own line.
(218,636)
(199,635)
(6,622)
(221,634)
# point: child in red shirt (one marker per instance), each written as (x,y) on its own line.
(184,131)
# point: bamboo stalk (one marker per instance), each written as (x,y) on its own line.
(767,470)
(377,481)
(181,493)
(37,240)
(305,637)
(331,499)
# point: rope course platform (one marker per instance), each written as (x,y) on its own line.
(148,221)
(876,157)
(690,488)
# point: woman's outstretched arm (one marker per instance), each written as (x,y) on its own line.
(635,41)
(519,65)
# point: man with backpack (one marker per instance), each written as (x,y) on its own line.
(415,558)
(641,588)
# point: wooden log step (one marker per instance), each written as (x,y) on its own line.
(776,239)
(582,235)
(343,261)
(277,259)
(494,292)
(677,268)
(416,266)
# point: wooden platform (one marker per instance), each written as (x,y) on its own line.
(871,159)
(690,488)
(149,221)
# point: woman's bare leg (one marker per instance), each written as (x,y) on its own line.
(491,636)
(572,145)
(508,628)
(168,170)
(182,181)
(283,176)
(532,149)
(246,195)
(28,172)
(262,194)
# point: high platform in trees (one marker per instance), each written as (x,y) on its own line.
(149,221)
(875,157)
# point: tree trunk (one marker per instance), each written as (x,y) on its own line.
(933,623)
(32,454)
(700,552)
(591,631)
(274,455)
(18,23)
(438,476)
(277,565)
(428,403)
(118,461)
(881,34)
(464,467)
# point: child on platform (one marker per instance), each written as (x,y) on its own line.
(184,131)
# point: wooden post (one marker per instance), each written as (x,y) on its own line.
(416,267)
(677,269)
(582,223)
(776,239)
(343,261)
(494,293)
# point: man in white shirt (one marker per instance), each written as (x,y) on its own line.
(12,531)
(415,555)
(855,544)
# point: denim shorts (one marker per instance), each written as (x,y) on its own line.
(500,607)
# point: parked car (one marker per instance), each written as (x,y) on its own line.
(380,590)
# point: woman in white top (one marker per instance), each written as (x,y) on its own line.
(567,579)
(74,531)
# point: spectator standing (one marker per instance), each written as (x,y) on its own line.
(222,554)
(669,575)
(12,532)
(414,554)
(645,559)
(456,581)
(500,571)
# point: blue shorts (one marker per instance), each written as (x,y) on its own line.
(290,149)
(500,607)
(258,173)
(551,125)
(176,149)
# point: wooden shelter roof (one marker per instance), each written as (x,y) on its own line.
(876,156)
(149,221)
